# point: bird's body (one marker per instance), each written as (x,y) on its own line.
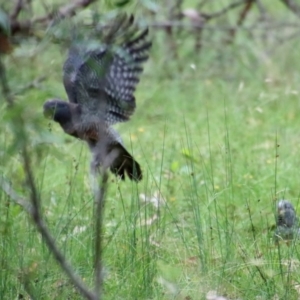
(287,222)
(100,80)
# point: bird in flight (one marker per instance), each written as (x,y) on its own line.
(287,222)
(100,79)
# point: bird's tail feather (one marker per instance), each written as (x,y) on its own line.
(124,163)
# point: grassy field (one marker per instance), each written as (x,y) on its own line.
(218,138)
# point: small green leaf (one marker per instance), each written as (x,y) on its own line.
(174,166)
(187,154)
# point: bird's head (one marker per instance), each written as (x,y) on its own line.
(57,110)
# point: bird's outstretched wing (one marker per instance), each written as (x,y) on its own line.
(102,76)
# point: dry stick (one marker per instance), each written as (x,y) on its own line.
(47,237)
(99,212)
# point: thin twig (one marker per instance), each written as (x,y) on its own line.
(99,212)
(47,237)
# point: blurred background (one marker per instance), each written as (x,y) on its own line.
(216,131)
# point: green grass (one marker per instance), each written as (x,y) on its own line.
(219,142)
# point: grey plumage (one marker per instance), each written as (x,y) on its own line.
(100,80)
(287,225)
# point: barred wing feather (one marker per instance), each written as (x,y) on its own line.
(103,77)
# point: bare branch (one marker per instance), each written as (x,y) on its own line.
(99,212)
